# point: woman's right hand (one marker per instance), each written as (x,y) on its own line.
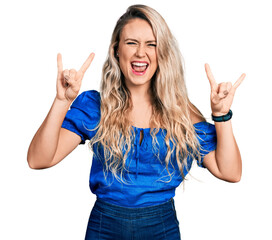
(69,81)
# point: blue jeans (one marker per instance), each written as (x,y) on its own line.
(108,221)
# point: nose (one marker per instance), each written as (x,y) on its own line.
(140,52)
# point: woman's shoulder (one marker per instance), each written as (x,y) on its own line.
(200,123)
(88,99)
(196,115)
(89,95)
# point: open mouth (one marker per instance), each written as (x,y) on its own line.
(139,68)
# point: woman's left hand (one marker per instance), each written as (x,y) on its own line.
(221,94)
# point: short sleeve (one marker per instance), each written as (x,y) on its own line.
(206,135)
(83,115)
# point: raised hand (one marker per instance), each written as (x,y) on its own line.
(222,94)
(69,81)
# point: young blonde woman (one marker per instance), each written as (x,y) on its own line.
(143,130)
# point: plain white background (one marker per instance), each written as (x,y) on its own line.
(232,36)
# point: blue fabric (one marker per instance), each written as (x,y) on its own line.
(109,221)
(149,182)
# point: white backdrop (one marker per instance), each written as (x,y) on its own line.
(233,36)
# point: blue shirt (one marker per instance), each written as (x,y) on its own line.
(149,182)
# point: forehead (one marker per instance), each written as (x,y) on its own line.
(138,29)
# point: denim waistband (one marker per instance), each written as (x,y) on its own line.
(134,213)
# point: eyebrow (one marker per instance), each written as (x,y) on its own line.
(135,40)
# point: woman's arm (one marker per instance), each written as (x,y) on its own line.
(225,162)
(52,143)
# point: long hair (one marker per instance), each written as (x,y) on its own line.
(170,103)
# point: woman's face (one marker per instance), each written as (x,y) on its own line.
(137,52)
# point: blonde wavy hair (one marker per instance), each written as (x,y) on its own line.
(171,106)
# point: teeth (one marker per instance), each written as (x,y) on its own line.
(139,64)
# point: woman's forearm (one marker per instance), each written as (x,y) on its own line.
(227,152)
(44,144)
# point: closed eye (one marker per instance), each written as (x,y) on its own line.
(131,43)
(152,45)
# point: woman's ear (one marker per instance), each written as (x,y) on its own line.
(117,54)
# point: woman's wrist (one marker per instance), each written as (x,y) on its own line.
(63,100)
(222,117)
(62,103)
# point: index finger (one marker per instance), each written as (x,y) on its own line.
(59,64)
(87,63)
(210,76)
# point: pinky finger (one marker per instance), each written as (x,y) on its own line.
(239,81)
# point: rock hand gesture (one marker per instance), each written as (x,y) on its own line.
(222,94)
(69,81)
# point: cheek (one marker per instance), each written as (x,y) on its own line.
(153,56)
(155,63)
(122,55)
(123,65)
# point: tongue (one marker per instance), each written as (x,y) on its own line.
(138,68)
